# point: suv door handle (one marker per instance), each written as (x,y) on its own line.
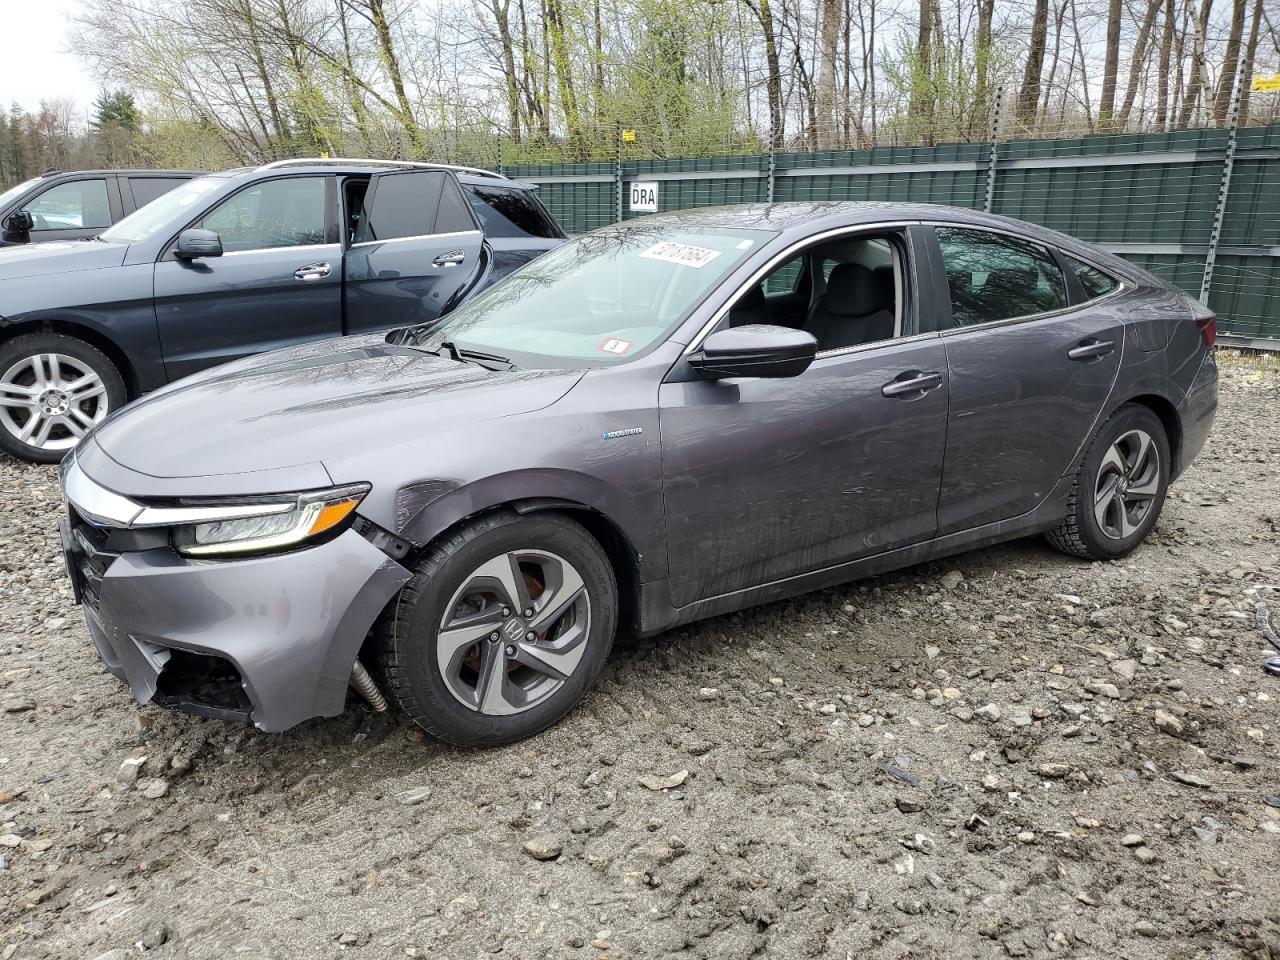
(912,384)
(1091,349)
(312,271)
(451,259)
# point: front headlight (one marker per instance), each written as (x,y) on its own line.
(264,524)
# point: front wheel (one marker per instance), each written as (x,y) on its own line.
(504,627)
(53,390)
(1119,488)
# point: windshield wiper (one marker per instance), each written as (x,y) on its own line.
(489,361)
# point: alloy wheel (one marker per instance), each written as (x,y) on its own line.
(514,632)
(1127,485)
(51,400)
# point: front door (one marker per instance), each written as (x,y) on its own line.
(1030,375)
(766,479)
(277,284)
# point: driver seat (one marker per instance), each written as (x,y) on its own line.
(853,311)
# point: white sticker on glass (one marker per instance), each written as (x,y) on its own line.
(684,254)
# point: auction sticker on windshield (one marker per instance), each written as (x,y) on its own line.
(684,254)
(615,346)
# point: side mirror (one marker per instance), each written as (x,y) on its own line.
(19,224)
(755,350)
(194,244)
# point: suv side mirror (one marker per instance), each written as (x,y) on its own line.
(19,224)
(195,243)
(755,350)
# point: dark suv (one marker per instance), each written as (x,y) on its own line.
(82,203)
(235,263)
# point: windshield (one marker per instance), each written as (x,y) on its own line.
(600,299)
(160,214)
(15,191)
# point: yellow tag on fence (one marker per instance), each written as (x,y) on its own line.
(1267,84)
(628,136)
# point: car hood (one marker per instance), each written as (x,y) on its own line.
(290,408)
(61,256)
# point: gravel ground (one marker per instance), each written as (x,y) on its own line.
(1006,753)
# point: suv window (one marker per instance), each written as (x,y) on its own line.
(79,205)
(416,203)
(1094,282)
(998,277)
(146,189)
(276,213)
(509,212)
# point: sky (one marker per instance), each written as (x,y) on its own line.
(36,63)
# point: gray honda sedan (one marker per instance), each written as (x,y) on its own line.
(660,421)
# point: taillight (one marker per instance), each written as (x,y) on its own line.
(1208,327)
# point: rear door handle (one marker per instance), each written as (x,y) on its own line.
(1091,349)
(312,271)
(912,384)
(451,259)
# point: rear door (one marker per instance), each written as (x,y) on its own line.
(417,248)
(277,284)
(1029,373)
(139,191)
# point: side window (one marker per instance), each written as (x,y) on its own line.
(507,212)
(146,189)
(401,205)
(453,215)
(997,277)
(1094,282)
(276,213)
(80,205)
(785,278)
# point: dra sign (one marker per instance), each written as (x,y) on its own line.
(644,197)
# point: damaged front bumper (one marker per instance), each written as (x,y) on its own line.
(270,639)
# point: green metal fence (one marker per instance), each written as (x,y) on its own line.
(1199,208)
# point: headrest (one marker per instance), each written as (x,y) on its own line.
(852,291)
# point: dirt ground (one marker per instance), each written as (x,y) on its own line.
(1006,753)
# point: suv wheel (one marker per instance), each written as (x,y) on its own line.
(504,627)
(1119,488)
(53,390)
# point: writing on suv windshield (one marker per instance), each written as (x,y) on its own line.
(600,299)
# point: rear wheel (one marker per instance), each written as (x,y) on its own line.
(1119,488)
(53,390)
(504,627)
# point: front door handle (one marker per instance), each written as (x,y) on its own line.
(451,259)
(1091,350)
(912,384)
(312,271)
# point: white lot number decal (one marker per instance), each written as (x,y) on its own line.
(616,346)
(685,254)
(644,197)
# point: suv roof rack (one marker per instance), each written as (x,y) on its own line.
(312,161)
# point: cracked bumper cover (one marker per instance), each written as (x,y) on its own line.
(291,623)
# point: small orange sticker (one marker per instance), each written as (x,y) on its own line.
(615,346)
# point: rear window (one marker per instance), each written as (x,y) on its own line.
(146,189)
(509,212)
(412,204)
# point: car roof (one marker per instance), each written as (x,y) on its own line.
(795,220)
(362,166)
(64,174)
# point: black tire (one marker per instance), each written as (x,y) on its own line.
(13,353)
(1081,534)
(408,633)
